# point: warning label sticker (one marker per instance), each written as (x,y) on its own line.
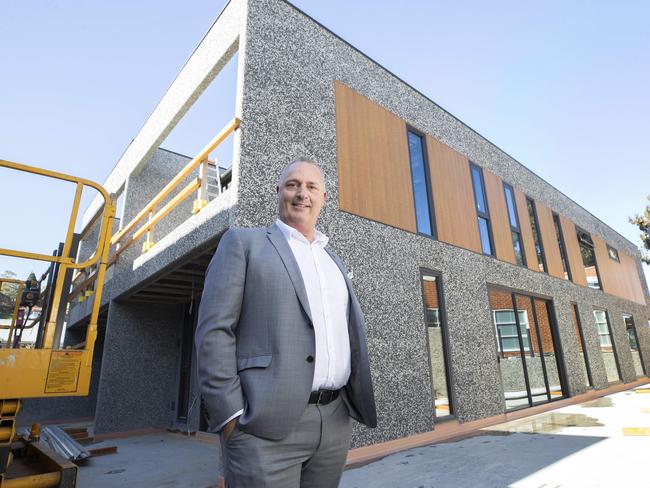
(63,375)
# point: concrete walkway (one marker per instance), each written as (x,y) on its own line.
(601,443)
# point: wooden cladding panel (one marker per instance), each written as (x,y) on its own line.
(574,257)
(632,280)
(453,196)
(619,279)
(373,161)
(499,217)
(526,231)
(549,240)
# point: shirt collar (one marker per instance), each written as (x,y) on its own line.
(289,232)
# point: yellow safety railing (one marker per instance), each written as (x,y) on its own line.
(131,233)
(31,372)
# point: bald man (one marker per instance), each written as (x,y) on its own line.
(282,356)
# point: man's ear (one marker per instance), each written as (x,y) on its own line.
(324,195)
(277,189)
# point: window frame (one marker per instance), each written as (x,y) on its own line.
(442,316)
(561,243)
(611,338)
(609,253)
(480,214)
(515,228)
(589,242)
(427,182)
(534,223)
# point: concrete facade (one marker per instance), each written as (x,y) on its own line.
(288,64)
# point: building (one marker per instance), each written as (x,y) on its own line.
(485,289)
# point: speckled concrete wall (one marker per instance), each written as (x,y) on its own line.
(291,63)
(137,387)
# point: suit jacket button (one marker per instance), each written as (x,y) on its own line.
(310,359)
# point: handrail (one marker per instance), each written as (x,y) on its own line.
(168,207)
(81,182)
(184,173)
(67,263)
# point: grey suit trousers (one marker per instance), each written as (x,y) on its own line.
(313,455)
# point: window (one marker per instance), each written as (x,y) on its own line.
(432,317)
(560,243)
(607,348)
(613,253)
(589,258)
(482,210)
(515,230)
(420,179)
(633,340)
(532,211)
(437,341)
(506,326)
(603,329)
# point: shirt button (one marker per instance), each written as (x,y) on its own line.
(310,359)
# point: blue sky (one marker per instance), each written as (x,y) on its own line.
(560,86)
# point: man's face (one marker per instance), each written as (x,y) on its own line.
(301,196)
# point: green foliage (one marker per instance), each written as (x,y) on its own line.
(643,223)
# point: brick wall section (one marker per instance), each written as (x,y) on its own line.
(500,300)
(430,291)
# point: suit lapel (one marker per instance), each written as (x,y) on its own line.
(282,247)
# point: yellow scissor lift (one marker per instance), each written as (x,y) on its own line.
(50,371)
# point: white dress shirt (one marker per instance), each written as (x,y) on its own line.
(328,299)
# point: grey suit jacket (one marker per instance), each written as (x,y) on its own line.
(255,339)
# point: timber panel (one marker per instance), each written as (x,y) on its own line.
(549,240)
(574,257)
(619,279)
(526,231)
(632,282)
(453,196)
(499,217)
(374,170)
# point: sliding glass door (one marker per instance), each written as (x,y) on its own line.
(526,349)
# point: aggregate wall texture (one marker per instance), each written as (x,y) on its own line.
(139,365)
(291,63)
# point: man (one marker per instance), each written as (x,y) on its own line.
(282,355)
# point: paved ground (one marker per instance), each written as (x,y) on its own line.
(585,445)
(578,446)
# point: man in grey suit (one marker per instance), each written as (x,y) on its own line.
(282,355)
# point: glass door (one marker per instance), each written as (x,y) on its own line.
(526,349)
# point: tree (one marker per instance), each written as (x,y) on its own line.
(8,294)
(643,223)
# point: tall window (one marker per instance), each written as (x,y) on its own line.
(421,189)
(589,259)
(633,340)
(606,347)
(437,340)
(534,224)
(482,210)
(515,229)
(560,243)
